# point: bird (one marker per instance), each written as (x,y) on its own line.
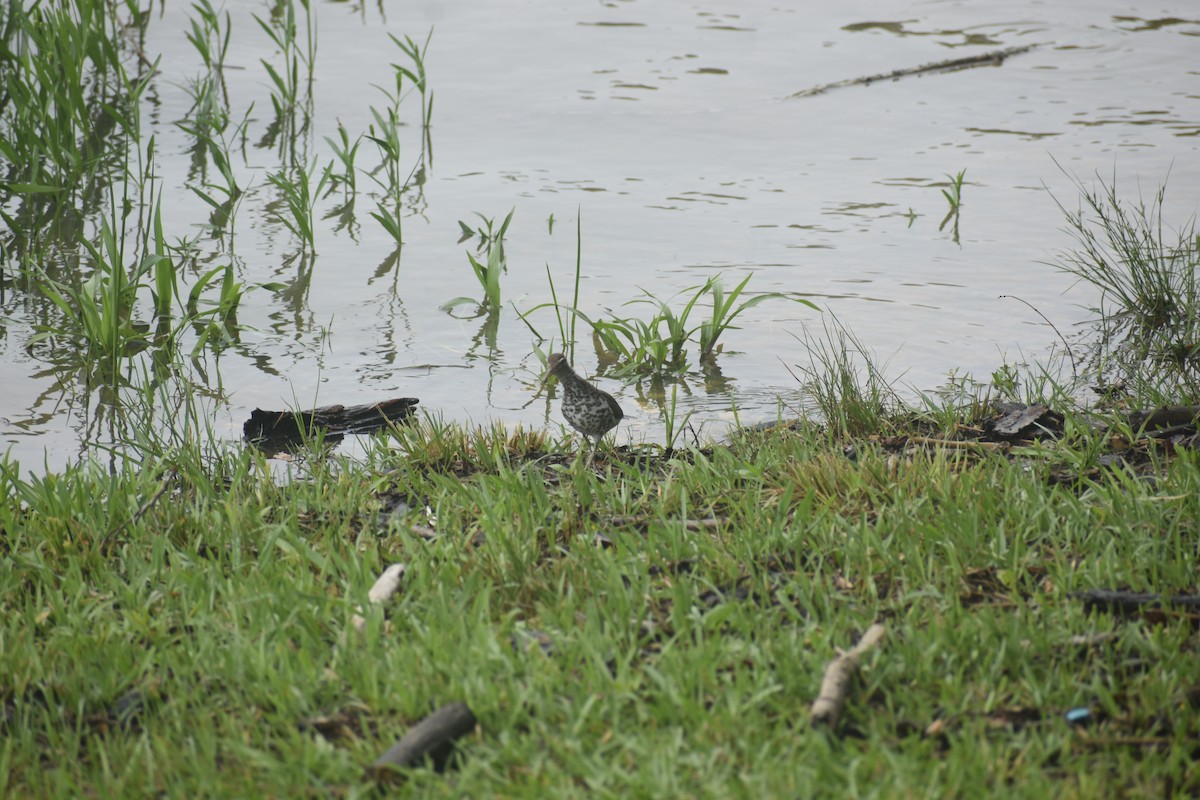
(591,411)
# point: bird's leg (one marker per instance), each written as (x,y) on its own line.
(592,454)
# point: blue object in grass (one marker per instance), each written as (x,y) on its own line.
(1079,716)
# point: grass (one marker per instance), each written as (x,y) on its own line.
(1145,272)
(844,385)
(192,634)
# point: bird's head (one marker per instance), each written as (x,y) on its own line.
(555,364)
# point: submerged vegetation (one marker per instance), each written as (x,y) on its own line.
(953,195)
(657,347)
(491,248)
(113,290)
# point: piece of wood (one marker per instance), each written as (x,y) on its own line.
(1164,417)
(1092,639)
(688,524)
(430,739)
(1018,419)
(276,431)
(956,444)
(992,58)
(828,706)
(384,587)
(423,532)
(1132,603)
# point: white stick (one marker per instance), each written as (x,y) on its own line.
(828,705)
(386,586)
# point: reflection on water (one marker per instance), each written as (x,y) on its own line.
(662,131)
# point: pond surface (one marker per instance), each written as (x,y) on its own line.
(670,130)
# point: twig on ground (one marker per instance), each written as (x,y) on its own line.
(956,444)
(688,524)
(384,587)
(828,705)
(142,510)
(1092,639)
(423,532)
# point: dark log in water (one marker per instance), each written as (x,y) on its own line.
(275,431)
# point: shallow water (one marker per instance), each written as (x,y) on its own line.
(668,128)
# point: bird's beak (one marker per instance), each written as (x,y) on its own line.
(546,378)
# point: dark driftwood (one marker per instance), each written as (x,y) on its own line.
(1132,603)
(281,430)
(432,738)
(828,705)
(1164,417)
(995,57)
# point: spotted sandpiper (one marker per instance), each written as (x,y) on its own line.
(590,411)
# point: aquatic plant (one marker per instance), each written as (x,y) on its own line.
(98,312)
(391,175)
(724,311)
(567,322)
(417,76)
(282,29)
(488,232)
(491,240)
(209,36)
(1145,272)
(214,148)
(346,152)
(300,198)
(953,195)
(489,276)
(68,111)
(658,345)
(673,426)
